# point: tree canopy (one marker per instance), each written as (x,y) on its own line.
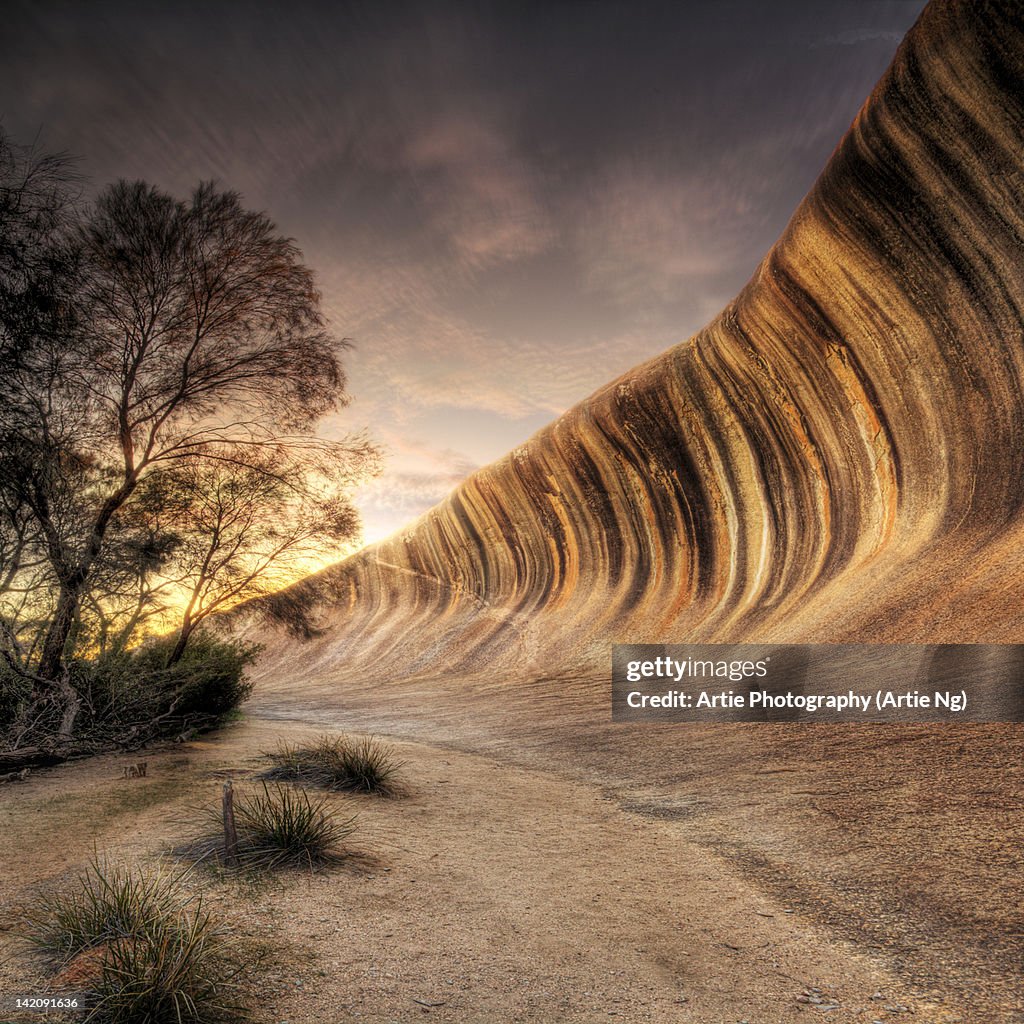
(164,365)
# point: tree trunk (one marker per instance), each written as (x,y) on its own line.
(72,705)
(179,648)
(31,757)
(73,580)
(51,662)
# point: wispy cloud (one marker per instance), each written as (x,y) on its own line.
(854,36)
(481,197)
(421,477)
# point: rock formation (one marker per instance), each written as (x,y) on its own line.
(837,456)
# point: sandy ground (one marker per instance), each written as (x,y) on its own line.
(906,841)
(491,893)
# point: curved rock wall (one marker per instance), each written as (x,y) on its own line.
(838,455)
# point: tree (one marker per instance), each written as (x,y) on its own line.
(157,343)
(202,328)
(38,200)
(246,522)
(38,270)
(130,587)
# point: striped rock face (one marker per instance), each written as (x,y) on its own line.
(840,455)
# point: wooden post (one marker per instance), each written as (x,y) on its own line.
(230,835)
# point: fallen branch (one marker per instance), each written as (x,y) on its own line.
(45,757)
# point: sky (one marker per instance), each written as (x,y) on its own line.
(506,204)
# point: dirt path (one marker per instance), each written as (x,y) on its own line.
(493,895)
(903,840)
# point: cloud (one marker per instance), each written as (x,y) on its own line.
(854,36)
(641,234)
(408,493)
(481,198)
(506,205)
(404,492)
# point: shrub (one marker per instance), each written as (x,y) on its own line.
(147,949)
(341,763)
(208,680)
(283,826)
(15,691)
(137,689)
(175,971)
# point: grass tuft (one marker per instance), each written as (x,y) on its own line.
(282,826)
(141,948)
(176,970)
(278,827)
(110,901)
(339,763)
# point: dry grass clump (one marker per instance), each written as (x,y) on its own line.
(107,902)
(278,827)
(339,763)
(178,970)
(282,826)
(140,948)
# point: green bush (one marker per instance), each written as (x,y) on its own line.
(341,763)
(209,678)
(136,688)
